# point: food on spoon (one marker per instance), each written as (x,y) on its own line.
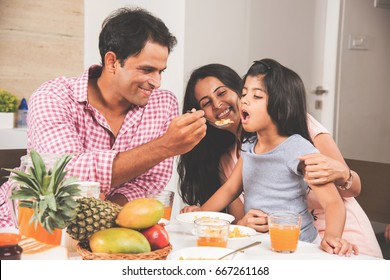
(223,122)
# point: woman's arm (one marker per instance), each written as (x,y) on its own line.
(329,166)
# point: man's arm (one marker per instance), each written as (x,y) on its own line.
(183,134)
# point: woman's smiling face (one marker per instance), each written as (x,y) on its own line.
(218,101)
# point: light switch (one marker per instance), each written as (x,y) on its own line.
(358,42)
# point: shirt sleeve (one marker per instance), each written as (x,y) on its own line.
(298,147)
(315,127)
(53,128)
(156,178)
(5,213)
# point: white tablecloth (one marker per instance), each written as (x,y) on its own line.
(180,237)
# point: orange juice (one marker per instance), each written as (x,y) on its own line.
(40,234)
(212,241)
(284,238)
(167,212)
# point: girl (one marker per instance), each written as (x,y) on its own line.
(273,114)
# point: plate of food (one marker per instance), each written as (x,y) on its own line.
(240,235)
(240,232)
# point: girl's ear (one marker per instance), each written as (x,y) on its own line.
(110,62)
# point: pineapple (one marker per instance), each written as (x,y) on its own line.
(47,192)
(92,215)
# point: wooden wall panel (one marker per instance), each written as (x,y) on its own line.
(39,40)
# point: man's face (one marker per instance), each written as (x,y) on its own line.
(141,74)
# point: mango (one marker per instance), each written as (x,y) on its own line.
(119,241)
(140,213)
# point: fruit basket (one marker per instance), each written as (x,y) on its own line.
(86,254)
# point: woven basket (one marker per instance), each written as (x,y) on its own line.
(86,254)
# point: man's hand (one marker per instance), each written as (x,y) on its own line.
(185,132)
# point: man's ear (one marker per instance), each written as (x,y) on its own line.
(110,62)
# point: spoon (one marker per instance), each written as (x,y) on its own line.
(241,249)
(219,123)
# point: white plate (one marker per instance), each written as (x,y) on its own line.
(190,217)
(247,231)
(200,253)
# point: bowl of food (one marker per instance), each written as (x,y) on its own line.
(187,219)
(201,253)
(240,236)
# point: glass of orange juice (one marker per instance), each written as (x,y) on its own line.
(166,197)
(211,232)
(284,229)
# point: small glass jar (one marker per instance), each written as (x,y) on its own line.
(9,247)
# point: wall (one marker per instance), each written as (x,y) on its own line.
(364,84)
(216,32)
(292,32)
(38,42)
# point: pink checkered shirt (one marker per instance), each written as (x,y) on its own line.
(61,120)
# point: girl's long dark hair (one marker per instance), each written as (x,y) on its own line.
(286,98)
(199,169)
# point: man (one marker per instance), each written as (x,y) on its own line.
(122,131)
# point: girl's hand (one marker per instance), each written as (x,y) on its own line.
(255,219)
(320,169)
(192,208)
(338,246)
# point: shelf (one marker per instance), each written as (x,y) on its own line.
(13,138)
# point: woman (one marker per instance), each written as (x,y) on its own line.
(216,90)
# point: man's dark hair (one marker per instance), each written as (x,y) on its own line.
(126,31)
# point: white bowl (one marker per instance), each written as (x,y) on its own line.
(200,253)
(187,219)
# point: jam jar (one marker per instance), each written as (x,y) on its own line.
(9,247)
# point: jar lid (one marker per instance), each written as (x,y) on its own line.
(9,238)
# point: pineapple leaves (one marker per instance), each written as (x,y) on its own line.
(24,179)
(47,192)
(51,201)
(26,204)
(39,169)
(24,193)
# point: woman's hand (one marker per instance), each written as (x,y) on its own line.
(192,208)
(338,246)
(320,169)
(255,219)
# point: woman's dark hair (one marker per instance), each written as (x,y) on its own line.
(126,31)
(199,169)
(286,98)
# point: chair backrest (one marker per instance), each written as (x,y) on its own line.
(375,195)
(9,159)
